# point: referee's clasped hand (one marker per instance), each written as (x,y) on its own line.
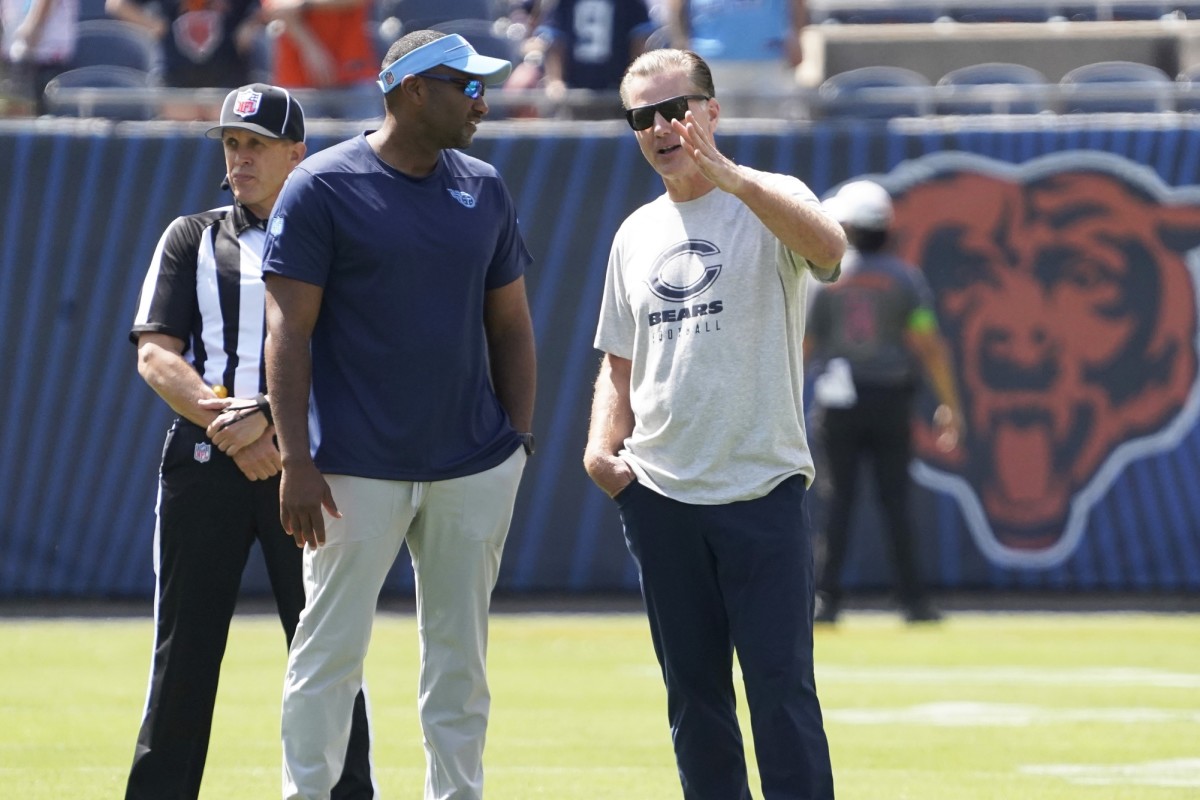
(260,460)
(238,423)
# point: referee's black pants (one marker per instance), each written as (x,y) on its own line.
(878,430)
(209,516)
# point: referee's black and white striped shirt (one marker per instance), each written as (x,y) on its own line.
(205,287)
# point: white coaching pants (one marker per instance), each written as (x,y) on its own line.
(455,531)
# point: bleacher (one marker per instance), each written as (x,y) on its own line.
(999,56)
(871,59)
(860,12)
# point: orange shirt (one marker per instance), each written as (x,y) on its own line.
(343,31)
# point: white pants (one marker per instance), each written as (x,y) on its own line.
(455,531)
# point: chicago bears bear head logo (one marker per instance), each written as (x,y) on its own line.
(1067,291)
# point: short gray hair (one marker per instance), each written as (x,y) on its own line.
(656,62)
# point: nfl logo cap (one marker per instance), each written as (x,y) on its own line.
(453,51)
(263,109)
(861,204)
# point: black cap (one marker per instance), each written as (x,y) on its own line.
(264,109)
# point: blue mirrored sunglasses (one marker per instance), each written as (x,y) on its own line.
(473,88)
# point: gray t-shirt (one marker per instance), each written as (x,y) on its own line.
(709,306)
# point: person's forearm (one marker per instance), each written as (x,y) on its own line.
(30,29)
(511,352)
(800,226)
(678,26)
(289,376)
(175,381)
(944,386)
(612,413)
(514,376)
(289,367)
(135,14)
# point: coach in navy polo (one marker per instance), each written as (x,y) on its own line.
(396,302)
(199,334)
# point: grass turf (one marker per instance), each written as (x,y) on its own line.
(981,707)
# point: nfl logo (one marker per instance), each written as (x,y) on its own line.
(246,103)
(202,452)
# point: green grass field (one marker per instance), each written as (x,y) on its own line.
(982,707)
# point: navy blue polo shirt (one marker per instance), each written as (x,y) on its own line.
(401,388)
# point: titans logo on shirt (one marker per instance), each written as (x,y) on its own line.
(462,197)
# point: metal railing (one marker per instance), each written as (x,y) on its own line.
(800,104)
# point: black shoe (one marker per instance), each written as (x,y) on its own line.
(826,610)
(922,611)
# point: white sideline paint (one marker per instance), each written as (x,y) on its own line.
(1179,772)
(1003,676)
(981,676)
(991,715)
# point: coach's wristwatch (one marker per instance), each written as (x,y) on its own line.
(528,442)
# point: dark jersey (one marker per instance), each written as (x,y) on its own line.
(597,35)
(863,317)
(401,388)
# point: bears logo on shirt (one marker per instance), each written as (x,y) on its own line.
(680,273)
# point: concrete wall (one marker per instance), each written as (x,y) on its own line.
(1053,48)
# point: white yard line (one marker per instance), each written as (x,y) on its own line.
(1179,772)
(1003,676)
(991,715)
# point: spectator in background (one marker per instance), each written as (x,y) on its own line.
(421,14)
(38,43)
(325,44)
(586,44)
(752,46)
(204,43)
(870,330)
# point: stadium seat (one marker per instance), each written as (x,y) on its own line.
(1002,12)
(895,14)
(1111,86)
(127,101)
(992,88)
(113,42)
(878,92)
(1116,11)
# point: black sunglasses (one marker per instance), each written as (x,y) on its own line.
(673,108)
(473,88)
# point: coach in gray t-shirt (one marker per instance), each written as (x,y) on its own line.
(698,433)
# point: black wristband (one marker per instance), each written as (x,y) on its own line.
(264,406)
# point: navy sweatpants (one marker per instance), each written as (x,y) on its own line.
(726,578)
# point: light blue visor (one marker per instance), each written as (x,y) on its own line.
(452,51)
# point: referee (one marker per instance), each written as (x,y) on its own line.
(199,334)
